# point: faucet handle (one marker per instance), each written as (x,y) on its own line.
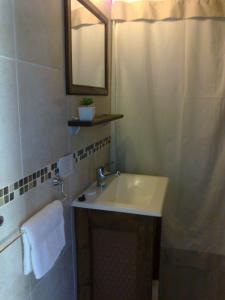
(101,168)
(100,171)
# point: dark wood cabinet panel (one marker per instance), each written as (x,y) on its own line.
(115,255)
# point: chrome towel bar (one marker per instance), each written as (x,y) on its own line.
(15,236)
(10,241)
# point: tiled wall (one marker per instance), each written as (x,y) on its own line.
(34,135)
(23,185)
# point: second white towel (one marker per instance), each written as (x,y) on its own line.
(43,239)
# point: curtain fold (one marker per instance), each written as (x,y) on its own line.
(169,84)
(82,16)
(133,10)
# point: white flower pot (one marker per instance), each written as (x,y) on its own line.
(86,113)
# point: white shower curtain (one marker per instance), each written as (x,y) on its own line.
(130,10)
(169,82)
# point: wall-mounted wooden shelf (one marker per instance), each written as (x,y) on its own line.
(97,120)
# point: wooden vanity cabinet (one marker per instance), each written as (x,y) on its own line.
(117,255)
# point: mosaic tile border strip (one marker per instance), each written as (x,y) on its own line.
(23,185)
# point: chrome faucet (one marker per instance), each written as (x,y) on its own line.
(101,176)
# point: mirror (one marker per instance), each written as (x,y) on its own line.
(86,49)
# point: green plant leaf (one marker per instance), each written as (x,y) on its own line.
(86,101)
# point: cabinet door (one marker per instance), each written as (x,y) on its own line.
(114,255)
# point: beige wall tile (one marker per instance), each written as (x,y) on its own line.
(7,44)
(44,112)
(14,214)
(52,285)
(39,31)
(43,116)
(10,152)
(14,285)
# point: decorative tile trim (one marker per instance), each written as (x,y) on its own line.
(23,185)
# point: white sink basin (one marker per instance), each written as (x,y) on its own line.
(129,193)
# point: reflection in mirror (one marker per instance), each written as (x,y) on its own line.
(88,47)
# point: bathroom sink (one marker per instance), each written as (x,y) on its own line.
(129,193)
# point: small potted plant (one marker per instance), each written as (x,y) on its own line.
(86,109)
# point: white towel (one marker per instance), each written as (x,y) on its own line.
(43,239)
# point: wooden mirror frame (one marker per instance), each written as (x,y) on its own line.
(75,89)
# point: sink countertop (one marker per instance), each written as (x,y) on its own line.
(127,193)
